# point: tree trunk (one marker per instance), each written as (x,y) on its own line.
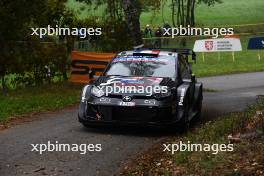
(183,14)
(179,13)
(132,15)
(193,14)
(188,12)
(173,13)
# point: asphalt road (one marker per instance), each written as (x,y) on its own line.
(234,93)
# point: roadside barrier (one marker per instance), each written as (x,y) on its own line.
(85,63)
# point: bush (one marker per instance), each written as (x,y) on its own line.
(26,63)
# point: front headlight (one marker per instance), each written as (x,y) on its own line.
(97,92)
(162,95)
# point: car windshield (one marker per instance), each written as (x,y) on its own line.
(163,66)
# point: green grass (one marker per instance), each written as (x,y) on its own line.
(37,99)
(229,12)
(245,61)
(213,133)
(83,11)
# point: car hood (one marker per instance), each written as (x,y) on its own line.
(129,81)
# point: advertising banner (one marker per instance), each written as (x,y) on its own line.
(82,63)
(256,43)
(218,45)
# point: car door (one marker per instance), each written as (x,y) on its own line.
(186,75)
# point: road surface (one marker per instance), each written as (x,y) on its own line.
(234,93)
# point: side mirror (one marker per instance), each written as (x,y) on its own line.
(96,77)
(193,78)
(91,74)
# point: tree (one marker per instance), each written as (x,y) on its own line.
(184,11)
(15,17)
(132,14)
(19,51)
(129,10)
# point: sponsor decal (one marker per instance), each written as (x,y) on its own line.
(111,81)
(209,45)
(139,59)
(183,90)
(127,98)
(127,103)
(134,81)
(256,43)
(105,100)
(150,102)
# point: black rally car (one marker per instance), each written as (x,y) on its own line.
(167,69)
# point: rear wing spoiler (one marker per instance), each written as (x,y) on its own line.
(185,52)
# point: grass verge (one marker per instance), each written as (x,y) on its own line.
(232,12)
(245,61)
(37,99)
(246,159)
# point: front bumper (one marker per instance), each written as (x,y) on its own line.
(146,112)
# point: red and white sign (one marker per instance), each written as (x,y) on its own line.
(209,45)
(218,45)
